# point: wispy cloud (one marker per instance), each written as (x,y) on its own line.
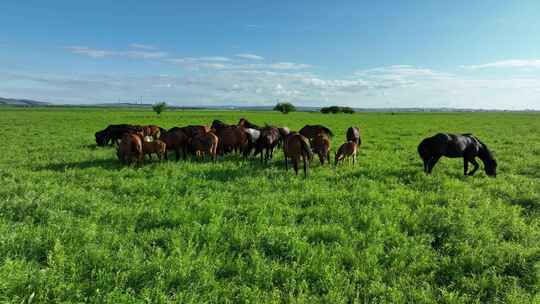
(511,63)
(224,63)
(97,53)
(84,50)
(142,46)
(250,56)
(214,58)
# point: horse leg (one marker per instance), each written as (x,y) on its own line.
(295,164)
(432,162)
(304,158)
(476,166)
(465,165)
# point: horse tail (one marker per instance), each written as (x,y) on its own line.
(423,150)
(306,149)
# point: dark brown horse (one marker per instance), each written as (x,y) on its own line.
(204,144)
(267,142)
(130,149)
(296,146)
(193,130)
(321,146)
(113,133)
(246,124)
(175,139)
(310,131)
(466,146)
(353,134)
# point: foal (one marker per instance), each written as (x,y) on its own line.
(348,149)
(157,147)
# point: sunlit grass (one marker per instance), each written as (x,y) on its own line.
(76,226)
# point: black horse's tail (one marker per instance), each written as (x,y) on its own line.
(423,150)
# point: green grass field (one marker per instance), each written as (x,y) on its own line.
(76,226)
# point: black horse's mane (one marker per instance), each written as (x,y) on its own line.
(325,129)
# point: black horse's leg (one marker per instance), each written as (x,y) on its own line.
(465,165)
(476,166)
(432,162)
(304,158)
(295,165)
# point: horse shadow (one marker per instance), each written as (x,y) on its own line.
(107,164)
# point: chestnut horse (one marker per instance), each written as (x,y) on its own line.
(346,150)
(130,149)
(296,146)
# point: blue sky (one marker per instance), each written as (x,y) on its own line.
(468,54)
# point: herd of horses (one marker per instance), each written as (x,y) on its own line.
(133,142)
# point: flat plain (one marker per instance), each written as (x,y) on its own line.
(77,226)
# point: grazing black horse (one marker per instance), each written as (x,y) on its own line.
(451,145)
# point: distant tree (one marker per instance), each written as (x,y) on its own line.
(159,107)
(347,110)
(284,107)
(334,109)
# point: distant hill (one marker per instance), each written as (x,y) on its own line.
(22,102)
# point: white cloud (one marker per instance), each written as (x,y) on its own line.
(512,63)
(214,58)
(142,46)
(84,50)
(96,53)
(250,56)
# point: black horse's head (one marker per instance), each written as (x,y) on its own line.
(490,164)
(101,138)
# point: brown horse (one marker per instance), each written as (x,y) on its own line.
(157,147)
(353,134)
(296,146)
(130,149)
(204,144)
(231,138)
(310,131)
(175,139)
(321,146)
(346,150)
